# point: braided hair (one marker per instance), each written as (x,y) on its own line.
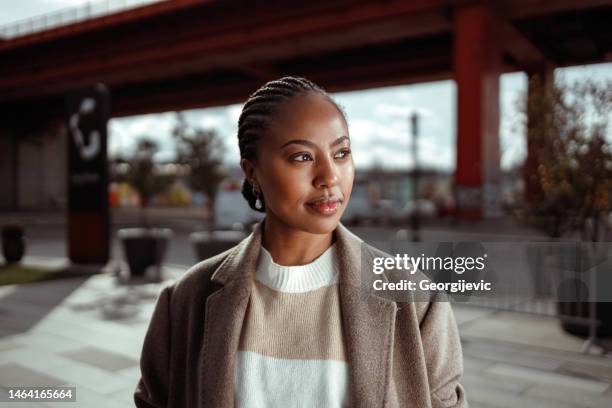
(256,112)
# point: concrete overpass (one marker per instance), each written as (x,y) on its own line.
(183,54)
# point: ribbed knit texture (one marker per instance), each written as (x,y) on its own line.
(291,350)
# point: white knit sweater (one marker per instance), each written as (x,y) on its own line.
(291,351)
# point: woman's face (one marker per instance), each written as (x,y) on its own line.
(304,166)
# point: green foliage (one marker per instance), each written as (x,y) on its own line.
(142,175)
(202,151)
(139,171)
(569,141)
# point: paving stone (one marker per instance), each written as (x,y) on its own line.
(125,395)
(565,394)
(101,358)
(34,358)
(543,377)
(477,380)
(512,354)
(93,378)
(86,398)
(17,375)
(132,373)
(4,395)
(593,371)
(465,313)
(522,328)
(8,344)
(475,364)
(491,397)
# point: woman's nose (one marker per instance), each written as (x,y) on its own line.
(327,174)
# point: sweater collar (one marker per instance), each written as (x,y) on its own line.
(241,263)
(300,278)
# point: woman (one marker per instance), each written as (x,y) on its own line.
(280,320)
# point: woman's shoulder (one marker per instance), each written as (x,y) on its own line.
(198,277)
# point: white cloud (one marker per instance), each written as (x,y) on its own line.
(14,11)
(125,132)
(401,111)
(513,148)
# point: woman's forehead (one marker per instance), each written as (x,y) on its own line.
(310,116)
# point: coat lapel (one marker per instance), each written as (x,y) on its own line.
(225,311)
(368,324)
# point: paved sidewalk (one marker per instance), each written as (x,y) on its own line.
(87,332)
(522,360)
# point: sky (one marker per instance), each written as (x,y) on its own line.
(377,118)
(378,123)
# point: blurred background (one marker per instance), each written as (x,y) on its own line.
(478,121)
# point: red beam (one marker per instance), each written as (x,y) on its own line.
(267,36)
(477,66)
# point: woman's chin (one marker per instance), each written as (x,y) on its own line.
(310,221)
(318,224)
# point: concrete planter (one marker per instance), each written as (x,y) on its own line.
(587,262)
(13,243)
(144,248)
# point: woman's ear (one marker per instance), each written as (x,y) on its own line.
(249,171)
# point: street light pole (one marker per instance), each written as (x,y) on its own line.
(415,224)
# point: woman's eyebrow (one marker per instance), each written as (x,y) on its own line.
(311,144)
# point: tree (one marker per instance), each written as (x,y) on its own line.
(202,151)
(569,139)
(142,176)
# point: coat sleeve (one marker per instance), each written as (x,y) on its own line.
(443,354)
(152,388)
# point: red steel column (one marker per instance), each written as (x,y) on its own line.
(477,67)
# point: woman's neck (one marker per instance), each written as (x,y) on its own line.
(290,247)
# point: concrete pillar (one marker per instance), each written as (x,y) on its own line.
(477,66)
(41,166)
(55,157)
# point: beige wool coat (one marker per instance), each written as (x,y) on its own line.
(400,354)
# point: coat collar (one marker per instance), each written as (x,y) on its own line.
(368,322)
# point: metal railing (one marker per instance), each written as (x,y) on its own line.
(69,16)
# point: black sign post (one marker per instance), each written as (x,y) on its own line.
(88,111)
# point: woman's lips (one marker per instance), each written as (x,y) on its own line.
(325,207)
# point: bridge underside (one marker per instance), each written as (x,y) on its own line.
(186,54)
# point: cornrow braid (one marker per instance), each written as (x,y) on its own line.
(257,110)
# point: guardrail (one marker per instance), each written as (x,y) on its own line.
(69,16)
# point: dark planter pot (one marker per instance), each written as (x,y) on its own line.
(13,244)
(208,244)
(573,293)
(144,248)
(581,309)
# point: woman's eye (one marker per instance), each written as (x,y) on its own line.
(342,154)
(302,157)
